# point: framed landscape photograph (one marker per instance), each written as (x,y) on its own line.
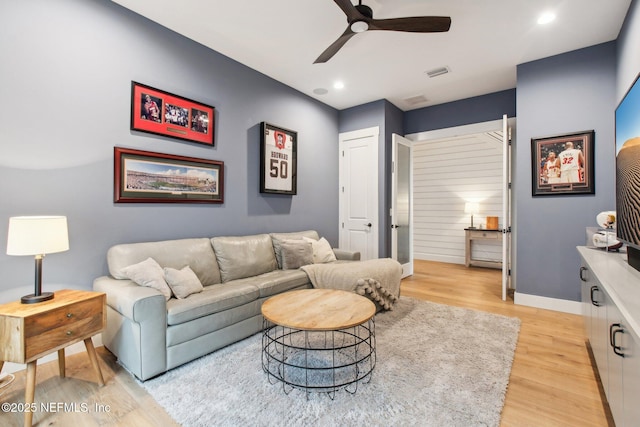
(278,160)
(563,164)
(163,113)
(148,177)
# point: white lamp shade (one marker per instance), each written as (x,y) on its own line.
(37,235)
(471,208)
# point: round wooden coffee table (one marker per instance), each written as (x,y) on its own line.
(319,340)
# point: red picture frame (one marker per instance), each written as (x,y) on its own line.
(149,177)
(162,113)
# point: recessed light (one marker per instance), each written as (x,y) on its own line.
(338,85)
(320,91)
(546,18)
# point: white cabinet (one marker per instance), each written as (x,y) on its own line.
(611,308)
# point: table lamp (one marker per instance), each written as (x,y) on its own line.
(471,208)
(38,236)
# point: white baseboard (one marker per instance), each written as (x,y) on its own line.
(565,306)
(449,259)
(78,347)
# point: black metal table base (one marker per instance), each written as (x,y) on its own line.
(319,361)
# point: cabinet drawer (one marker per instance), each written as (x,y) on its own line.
(485,235)
(63,326)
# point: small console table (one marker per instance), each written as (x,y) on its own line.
(31,331)
(482,236)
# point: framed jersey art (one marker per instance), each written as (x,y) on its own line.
(278,160)
(563,164)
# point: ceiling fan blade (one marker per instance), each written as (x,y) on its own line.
(335,46)
(418,24)
(349,9)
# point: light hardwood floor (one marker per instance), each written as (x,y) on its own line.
(552,382)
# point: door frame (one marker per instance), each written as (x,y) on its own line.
(343,138)
(481,127)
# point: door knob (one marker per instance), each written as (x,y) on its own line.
(368,225)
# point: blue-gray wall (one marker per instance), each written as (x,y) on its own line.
(478,109)
(66,73)
(558,95)
(389,119)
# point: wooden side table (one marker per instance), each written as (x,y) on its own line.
(479,235)
(31,331)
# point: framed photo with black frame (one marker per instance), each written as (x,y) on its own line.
(148,177)
(563,164)
(278,160)
(162,113)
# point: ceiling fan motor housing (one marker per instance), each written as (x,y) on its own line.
(365,10)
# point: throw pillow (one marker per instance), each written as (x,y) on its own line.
(322,251)
(295,254)
(148,273)
(182,282)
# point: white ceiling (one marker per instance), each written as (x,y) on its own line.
(487,39)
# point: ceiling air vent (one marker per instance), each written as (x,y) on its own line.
(438,72)
(416,100)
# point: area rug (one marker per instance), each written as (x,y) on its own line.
(437,365)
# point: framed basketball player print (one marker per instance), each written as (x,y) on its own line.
(563,164)
(278,160)
(162,113)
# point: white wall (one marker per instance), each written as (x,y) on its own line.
(447,173)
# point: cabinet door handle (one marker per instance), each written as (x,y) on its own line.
(593,301)
(583,269)
(612,338)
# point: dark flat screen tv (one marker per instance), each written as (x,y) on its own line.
(628,173)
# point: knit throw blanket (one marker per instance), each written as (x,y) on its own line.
(377,279)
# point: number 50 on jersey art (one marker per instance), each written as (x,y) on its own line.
(278,160)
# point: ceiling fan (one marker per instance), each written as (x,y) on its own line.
(360,19)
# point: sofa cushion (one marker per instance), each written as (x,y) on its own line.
(148,273)
(197,253)
(212,299)
(182,282)
(295,254)
(244,256)
(274,282)
(322,251)
(278,238)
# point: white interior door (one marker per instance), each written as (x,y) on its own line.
(358,181)
(402,203)
(506,206)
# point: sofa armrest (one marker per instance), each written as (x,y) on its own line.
(344,255)
(137,303)
(136,328)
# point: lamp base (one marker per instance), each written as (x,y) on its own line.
(34,299)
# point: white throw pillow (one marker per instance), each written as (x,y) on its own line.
(322,251)
(182,282)
(148,273)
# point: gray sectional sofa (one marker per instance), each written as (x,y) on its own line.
(151,334)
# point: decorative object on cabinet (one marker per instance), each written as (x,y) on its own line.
(627,176)
(163,113)
(278,160)
(606,219)
(472,208)
(492,223)
(37,236)
(148,177)
(563,164)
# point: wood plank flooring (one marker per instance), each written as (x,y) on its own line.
(552,382)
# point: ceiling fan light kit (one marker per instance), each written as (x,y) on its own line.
(360,19)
